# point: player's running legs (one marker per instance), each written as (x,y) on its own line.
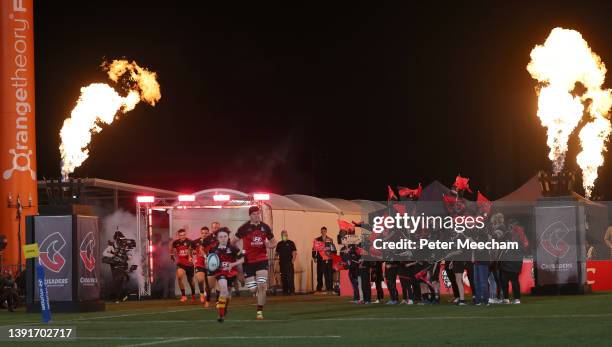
(180,275)
(200,277)
(211,286)
(261,277)
(224,297)
(189,274)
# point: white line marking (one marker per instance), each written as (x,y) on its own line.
(261,337)
(143,314)
(159,342)
(182,321)
(170,339)
(468,317)
(349,319)
(132,314)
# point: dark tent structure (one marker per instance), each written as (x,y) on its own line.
(431,201)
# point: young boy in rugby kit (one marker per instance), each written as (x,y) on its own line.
(208,242)
(199,261)
(229,258)
(180,251)
(256,238)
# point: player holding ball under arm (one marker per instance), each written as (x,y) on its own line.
(257,238)
(230,257)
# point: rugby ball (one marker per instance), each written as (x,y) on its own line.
(213,262)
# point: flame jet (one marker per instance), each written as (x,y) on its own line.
(99,104)
(564,60)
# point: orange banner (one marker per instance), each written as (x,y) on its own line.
(17,133)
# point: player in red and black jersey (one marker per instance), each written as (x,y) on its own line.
(208,243)
(230,257)
(180,251)
(256,237)
(199,261)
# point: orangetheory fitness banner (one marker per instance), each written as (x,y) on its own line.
(17,140)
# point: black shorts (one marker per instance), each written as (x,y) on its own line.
(459,266)
(188,269)
(200,269)
(230,280)
(251,268)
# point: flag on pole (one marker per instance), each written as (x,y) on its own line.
(390,194)
(462,183)
(411,193)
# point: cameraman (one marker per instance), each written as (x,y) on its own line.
(117,249)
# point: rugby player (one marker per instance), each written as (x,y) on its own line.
(229,257)
(210,241)
(199,261)
(180,251)
(256,237)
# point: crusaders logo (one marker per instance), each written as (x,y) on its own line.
(86,250)
(552,239)
(50,248)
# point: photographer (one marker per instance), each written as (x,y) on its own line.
(116,255)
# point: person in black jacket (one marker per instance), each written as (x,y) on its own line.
(287,254)
(351,257)
(512,262)
(322,251)
(377,277)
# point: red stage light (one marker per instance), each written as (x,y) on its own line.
(221,197)
(145,199)
(261,196)
(184,198)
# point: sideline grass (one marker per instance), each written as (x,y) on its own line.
(326,321)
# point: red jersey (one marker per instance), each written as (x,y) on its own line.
(182,251)
(209,242)
(253,241)
(227,254)
(199,256)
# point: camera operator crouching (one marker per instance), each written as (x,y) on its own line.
(117,255)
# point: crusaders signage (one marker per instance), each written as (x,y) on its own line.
(557,253)
(54,236)
(88,287)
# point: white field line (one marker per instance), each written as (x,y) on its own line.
(339,319)
(158,342)
(594,315)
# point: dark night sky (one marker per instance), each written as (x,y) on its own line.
(331,101)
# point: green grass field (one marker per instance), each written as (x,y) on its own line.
(326,321)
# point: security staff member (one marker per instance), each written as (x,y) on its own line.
(287,253)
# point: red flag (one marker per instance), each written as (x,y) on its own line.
(400,208)
(422,276)
(518,233)
(461,183)
(344,225)
(357,224)
(318,245)
(449,202)
(484,204)
(338,263)
(411,193)
(391,195)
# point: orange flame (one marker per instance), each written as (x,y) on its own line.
(98,104)
(562,61)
